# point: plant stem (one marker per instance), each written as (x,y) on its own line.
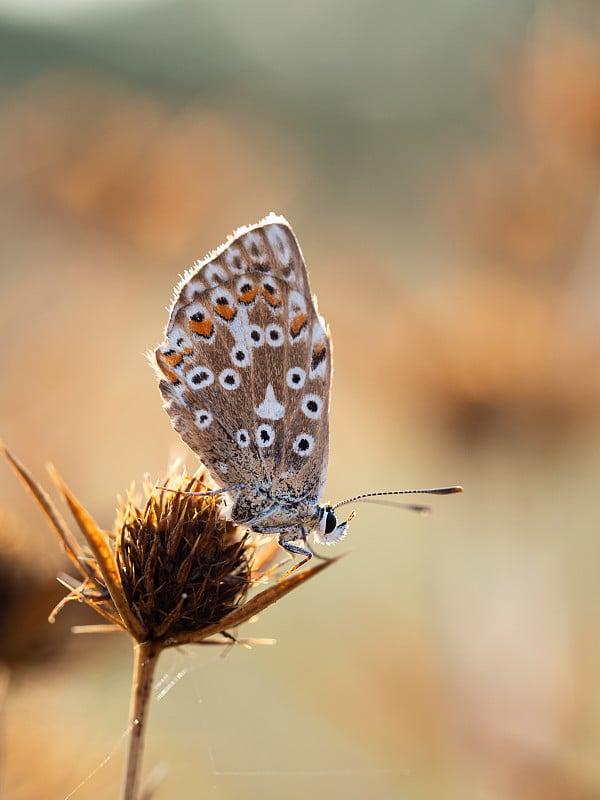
(145,657)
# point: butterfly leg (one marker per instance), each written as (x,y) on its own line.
(306,551)
(296,550)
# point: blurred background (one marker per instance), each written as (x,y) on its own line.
(439,163)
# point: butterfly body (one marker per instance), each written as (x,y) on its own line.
(245,378)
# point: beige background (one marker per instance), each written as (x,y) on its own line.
(439,164)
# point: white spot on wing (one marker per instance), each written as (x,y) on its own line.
(256,336)
(233,258)
(239,356)
(179,339)
(277,238)
(178,390)
(229,379)
(296,303)
(274,335)
(203,418)
(265,435)
(303,445)
(312,406)
(270,408)
(199,377)
(295,377)
(192,289)
(253,241)
(213,273)
(242,437)
(222,294)
(195,308)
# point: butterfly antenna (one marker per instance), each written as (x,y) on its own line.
(370,495)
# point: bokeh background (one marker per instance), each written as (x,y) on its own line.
(439,162)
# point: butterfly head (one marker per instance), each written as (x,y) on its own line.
(329,530)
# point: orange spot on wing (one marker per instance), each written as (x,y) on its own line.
(204,328)
(271,299)
(298,323)
(173,359)
(248,297)
(172,376)
(225,312)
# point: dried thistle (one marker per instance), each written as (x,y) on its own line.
(172,572)
(182,566)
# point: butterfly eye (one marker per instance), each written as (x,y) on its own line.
(330,531)
(330,521)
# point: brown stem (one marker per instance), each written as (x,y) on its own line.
(145,659)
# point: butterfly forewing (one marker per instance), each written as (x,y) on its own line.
(246,366)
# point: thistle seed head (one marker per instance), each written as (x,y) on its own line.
(173,571)
(182,566)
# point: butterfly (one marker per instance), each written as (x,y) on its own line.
(245,377)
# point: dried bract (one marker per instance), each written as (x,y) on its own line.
(173,571)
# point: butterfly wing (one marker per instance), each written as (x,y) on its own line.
(246,365)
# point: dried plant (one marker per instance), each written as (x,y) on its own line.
(172,572)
